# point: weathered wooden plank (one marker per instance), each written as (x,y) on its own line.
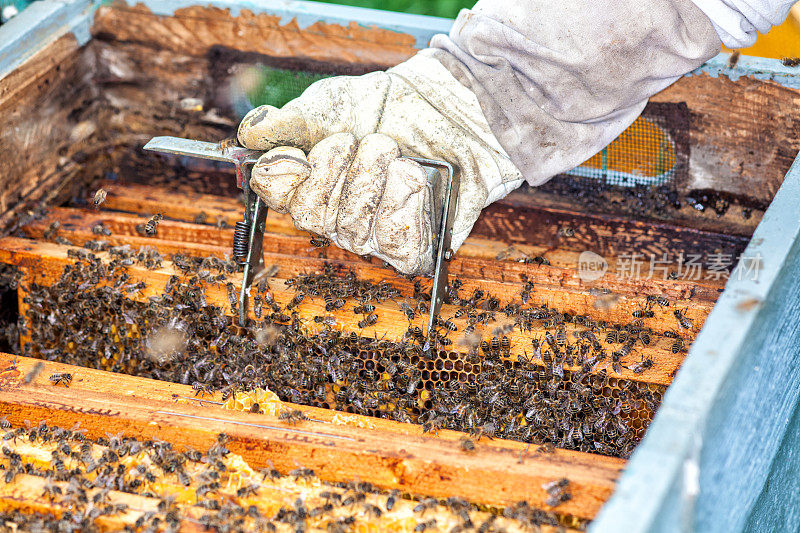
(748,148)
(521,218)
(30,137)
(193,30)
(562,271)
(176,237)
(47,261)
(418,464)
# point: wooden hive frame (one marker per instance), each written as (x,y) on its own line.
(652,483)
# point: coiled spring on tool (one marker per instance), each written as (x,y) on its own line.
(241,240)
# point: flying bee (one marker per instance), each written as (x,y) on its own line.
(151,226)
(292,416)
(35,371)
(99,197)
(51,489)
(61,377)
(372,510)
(554,487)
(466,444)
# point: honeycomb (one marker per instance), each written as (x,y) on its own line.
(482,391)
(256,400)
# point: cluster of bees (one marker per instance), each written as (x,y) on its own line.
(215,490)
(555,395)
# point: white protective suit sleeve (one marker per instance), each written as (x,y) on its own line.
(738,22)
(558,81)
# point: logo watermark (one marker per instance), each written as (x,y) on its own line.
(689,267)
(591,266)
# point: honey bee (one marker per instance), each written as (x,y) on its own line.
(257,310)
(302,473)
(424,505)
(151,226)
(370,320)
(320,242)
(391,499)
(61,377)
(226,144)
(683,322)
(248,490)
(677,346)
(292,416)
(200,388)
(641,366)
(100,229)
(526,291)
(407,310)
(423,526)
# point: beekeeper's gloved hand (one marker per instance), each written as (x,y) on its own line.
(354,187)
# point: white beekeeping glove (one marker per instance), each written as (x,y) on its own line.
(354,186)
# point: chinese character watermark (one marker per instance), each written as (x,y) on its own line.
(714,266)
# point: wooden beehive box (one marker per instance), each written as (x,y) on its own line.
(82,87)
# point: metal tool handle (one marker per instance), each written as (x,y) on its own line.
(444,181)
(446,214)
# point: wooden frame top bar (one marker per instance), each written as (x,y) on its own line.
(392,456)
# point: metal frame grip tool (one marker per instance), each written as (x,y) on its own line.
(248,235)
